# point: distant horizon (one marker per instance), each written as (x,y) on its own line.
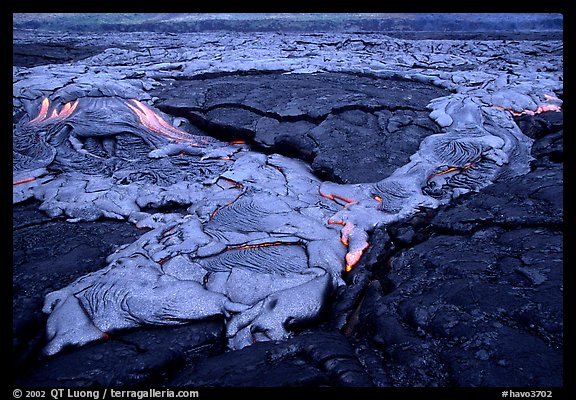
(301,22)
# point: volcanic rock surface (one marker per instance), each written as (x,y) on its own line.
(316,117)
(288,210)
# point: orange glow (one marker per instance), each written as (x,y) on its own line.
(345,233)
(213,214)
(169,231)
(239,141)
(378,198)
(539,109)
(157,124)
(332,197)
(548,107)
(226,158)
(353,257)
(234,183)
(227,205)
(254,246)
(43,111)
(23,181)
(452,169)
(550,97)
(67,110)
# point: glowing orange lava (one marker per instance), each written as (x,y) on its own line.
(255,246)
(234,183)
(226,205)
(332,197)
(239,141)
(539,109)
(345,231)
(452,169)
(157,124)
(353,257)
(23,181)
(168,231)
(66,111)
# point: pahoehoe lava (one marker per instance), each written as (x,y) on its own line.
(371,169)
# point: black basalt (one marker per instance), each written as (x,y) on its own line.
(476,300)
(351,128)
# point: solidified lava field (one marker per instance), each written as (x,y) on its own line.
(286,209)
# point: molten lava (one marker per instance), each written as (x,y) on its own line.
(239,141)
(168,231)
(353,257)
(333,197)
(155,123)
(345,231)
(23,181)
(233,183)
(66,111)
(552,106)
(226,205)
(452,169)
(255,246)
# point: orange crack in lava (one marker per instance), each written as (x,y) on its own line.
(157,124)
(452,169)
(66,111)
(333,196)
(345,231)
(254,246)
(352,257)
(234,183)
(540,109)
(239,141)
(23,181)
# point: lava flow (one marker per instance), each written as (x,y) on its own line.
(334,197)
(344,232)
(353,255)
(553,106)
(255,246)
(155,123)
(66,111)
(23,181)
(452,169)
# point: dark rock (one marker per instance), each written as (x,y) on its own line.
(33,54)
(48,253)
(480,299)
(153,353)
(316,358)
(540,125)
(353,128)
